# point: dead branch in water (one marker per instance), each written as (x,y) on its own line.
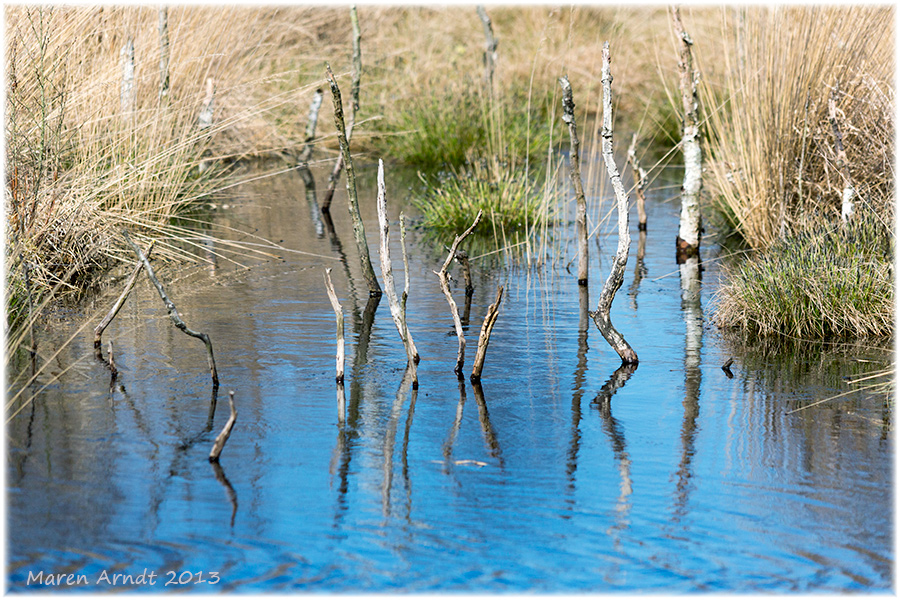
(173,312)
(219,444)
(617,275)
(359,230)
(98,331)
(484,339)
(311,123)
(575,172)
(339,318)
(354,107)
(462,257)
(640,182)
(112,363)
(444,279)
(688,241)
(398,311)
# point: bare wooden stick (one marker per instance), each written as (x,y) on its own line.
(616,276)
(359,230)
(575,172)
(688,241)
(311,123)
(204,121)
(173,312)
(127,91)
(405,295)
(640,182)
(339,318)
(355,74)
(112,361)
(163,52)
(444,279)
(397,311)
(462,257)
(98,331)
(490,47)
(848,192)
(484,339)
(223,436)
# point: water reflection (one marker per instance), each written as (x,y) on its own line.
(309,184)
(390,436)
(578,394)
(640,269)
(692,312)
(229,489)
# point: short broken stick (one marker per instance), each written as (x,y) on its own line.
(339,318)
(640,182)
(112,362)
(462,257)
(397,310)
(173,312)
(617,274)
(444,278)
(485,337)
(98,331)
(223,436)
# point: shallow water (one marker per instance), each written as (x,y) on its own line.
(560,474)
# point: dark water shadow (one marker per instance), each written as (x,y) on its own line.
(309,184)
(487,429)
(229,489)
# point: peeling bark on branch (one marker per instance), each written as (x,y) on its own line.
(398,311)
(129,285)
(616,276)
(484,339)
(173,312)
(688,241)
(444,279)
(359,230)
(575,172)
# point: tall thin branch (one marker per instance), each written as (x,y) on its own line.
(617,274)
(129,285)
(485,337)
(575,172)
(640,182)
(359,230)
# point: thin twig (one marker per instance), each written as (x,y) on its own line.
(98,331)
(575,172)
(485,337)
(444,279)
(339,318)
(173,312)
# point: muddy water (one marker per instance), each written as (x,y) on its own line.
(561,473)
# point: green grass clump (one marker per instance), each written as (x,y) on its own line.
(510,199)
(826,282)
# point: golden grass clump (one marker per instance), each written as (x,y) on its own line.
(773,161)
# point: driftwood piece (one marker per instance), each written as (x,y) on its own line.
(490,47)
(223,436)
(485,337)
(339,319)
(841,159)
(688,241)
(359,230)
(398,311)
(617,274)
(575,172)
(129,285)
(640,183)
(355,74)
(163,52)
(444,279)
(311,123)
(173,312)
